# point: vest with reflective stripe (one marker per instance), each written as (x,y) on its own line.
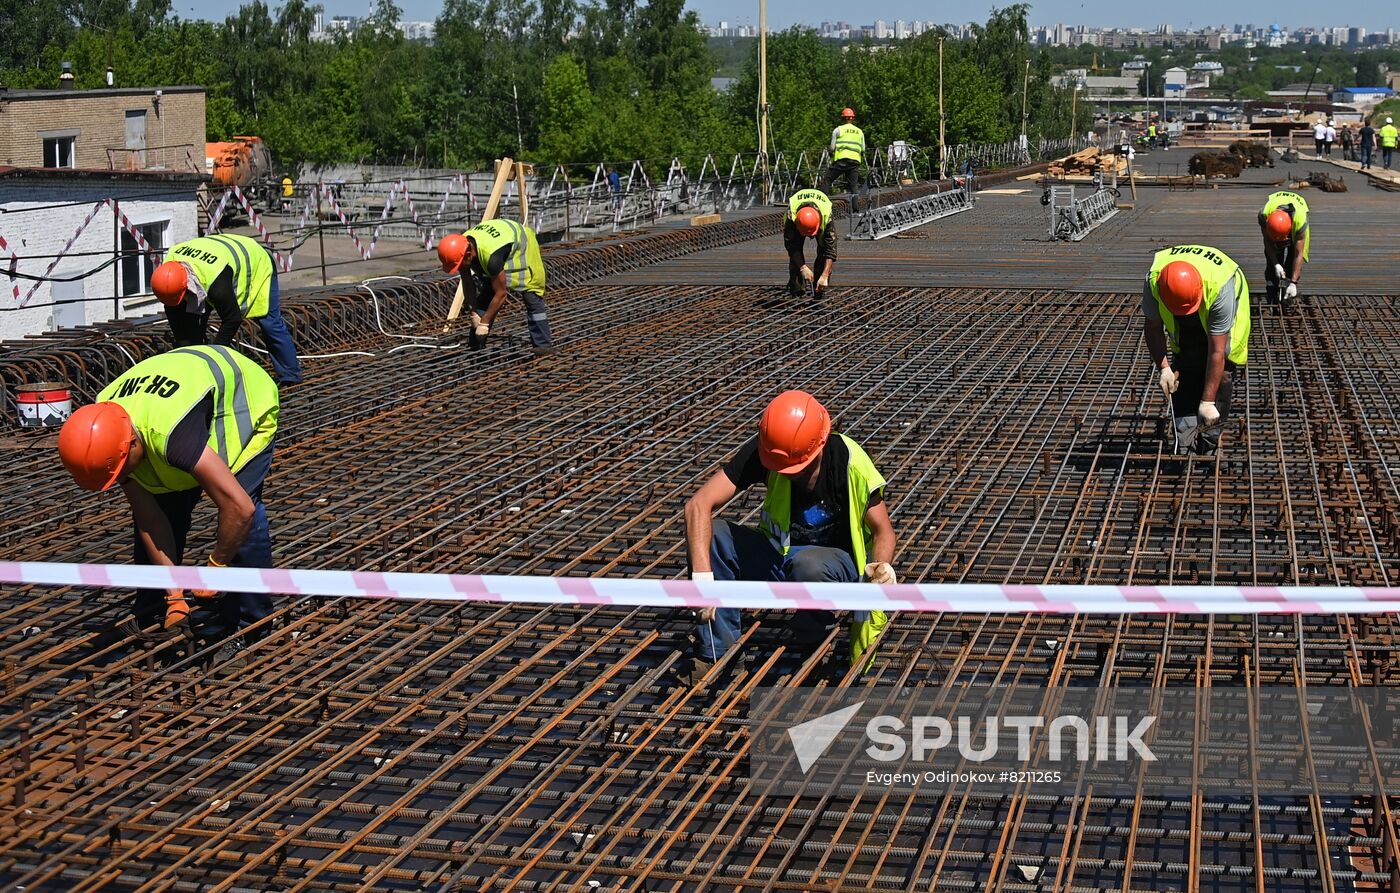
(814,197)
(1297,206)
(850,143)
(524,267)
(1216,269)
(159,392)
(1388,136)
(252,267)
(861,480)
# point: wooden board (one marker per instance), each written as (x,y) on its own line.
(704,219)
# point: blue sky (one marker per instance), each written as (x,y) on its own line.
(1103,13)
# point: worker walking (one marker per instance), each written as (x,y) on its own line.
(809,217)
(1200,297)
(823,520)
(172,428)
(847,153)
(1388,136)
(236,276)
(1284,225)
(500,258)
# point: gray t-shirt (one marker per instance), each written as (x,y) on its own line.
(1222,312)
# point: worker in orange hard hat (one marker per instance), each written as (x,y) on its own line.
(499,259)
(236,276)
(847,153)
(1284,225)
(174,427)
(1199,296)
(824,520)
(809,217)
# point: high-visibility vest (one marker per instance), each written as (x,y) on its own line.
(524,267)
(1297,207)
(160,391)
(862,479)
(1388,136)
(1152,130)
(209,256)
(850,143)
(814,197)
(1217,270)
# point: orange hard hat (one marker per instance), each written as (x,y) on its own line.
(1180,287)
(169,282)
(452,250)
(792,432)
(808,220)
(848,112)
(94,444)
(1279,225)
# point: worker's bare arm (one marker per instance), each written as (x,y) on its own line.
(152,527)
(1215,366)
(699,511)
(1156,337)
(498,298)
(882,543)
(234,504)
(1297,272)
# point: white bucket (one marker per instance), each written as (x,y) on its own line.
(47,404)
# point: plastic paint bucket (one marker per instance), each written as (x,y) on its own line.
(47,404)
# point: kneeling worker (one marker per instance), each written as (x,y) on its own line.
(1284,223)
(235,276)
(809,217)
(503,259)
(824,520)
(174,427)
(1199,295)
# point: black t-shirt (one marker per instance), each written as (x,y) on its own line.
(489,267)
(820,517)
(186,443)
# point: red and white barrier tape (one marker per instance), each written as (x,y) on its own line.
(29,295)
(14,265)
(971,598)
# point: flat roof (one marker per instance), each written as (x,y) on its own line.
(8,95)
(69,173)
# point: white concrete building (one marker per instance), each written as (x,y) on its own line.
(42,210)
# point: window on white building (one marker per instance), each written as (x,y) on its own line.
(58,151)
(137,265)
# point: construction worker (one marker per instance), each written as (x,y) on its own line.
(847,153)
(1199,295)
(172,428)
(824,520)
(503,259)
(809,217)
(1284,224)
(235,276)
(1388,137)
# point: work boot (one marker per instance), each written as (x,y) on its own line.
(544,350)
(693,669)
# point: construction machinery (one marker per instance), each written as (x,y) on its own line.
(245,162)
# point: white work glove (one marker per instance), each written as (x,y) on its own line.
(880,572)
(706,615)
(806,272)
(821,284)
(1207,414)
(1169,381)
(480,328)
(1290,292)
(1278,273)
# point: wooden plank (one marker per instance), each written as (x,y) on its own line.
(520,190)
(704,219)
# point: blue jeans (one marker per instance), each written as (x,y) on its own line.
(536,314)
(742,553)
(229,613)
(278,340)
(1365,156)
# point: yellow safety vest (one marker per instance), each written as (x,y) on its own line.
(160,391)
(862,479)
(814,197)
(1217,270)
(1388,136)
(252,267)
(850,143)
(524,267)
(1299,212)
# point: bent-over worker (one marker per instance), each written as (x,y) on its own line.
(809,217)
(1284,225)
(502,259)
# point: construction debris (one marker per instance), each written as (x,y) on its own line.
(1216,164)
(1254,154)
(1326,182)
(1087,162)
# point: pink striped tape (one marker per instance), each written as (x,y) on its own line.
(971,598)
(14,264)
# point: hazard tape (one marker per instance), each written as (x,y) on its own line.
(58,258)
(14,265)
(963,598)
